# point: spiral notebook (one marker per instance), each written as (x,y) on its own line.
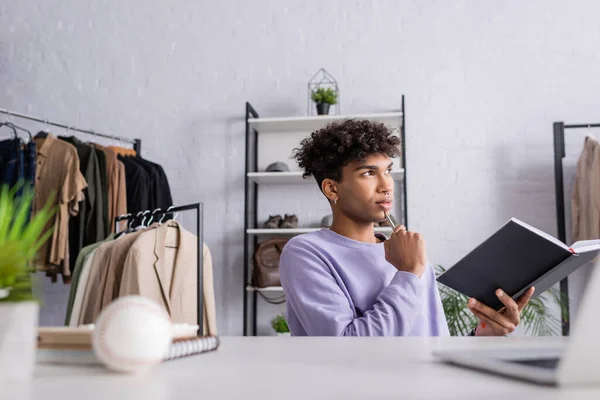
(80,338)
(73,355)
(190,347)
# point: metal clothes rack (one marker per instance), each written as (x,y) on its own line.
(559,154)
(137,143)
(199,207)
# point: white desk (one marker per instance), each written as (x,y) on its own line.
(299,368)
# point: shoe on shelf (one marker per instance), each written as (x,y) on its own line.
(289,222)
(273,222)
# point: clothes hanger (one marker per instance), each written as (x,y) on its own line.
(137,220)
(67,132)
(166,212)
(144,214)
(8,125)
(152,215)
(122,217)
(172,242)
(43,134)
(131,220)
(590,133)
(19,128)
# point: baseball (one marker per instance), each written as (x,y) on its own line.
(132,334)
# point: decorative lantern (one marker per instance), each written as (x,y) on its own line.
(323,92)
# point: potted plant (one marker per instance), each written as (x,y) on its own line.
(20,238)
(324,97)
(280,325)
(536,319)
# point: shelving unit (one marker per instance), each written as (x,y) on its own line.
(286,125)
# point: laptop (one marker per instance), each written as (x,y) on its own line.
(577,361)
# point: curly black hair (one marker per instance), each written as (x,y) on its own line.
(326,151)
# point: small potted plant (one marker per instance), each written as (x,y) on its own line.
(20,238)
(324,97)
(280,325)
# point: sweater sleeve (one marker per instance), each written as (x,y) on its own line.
(324,309)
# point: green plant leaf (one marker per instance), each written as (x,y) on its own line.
(279,324)
(6,208)
(324,95)
(21,214)
(21,236)
(536,319)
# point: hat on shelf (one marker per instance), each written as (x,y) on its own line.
(277,166)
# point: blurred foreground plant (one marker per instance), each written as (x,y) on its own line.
(21,236)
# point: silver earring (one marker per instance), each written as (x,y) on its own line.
(335,201)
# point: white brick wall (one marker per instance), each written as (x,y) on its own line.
(483,80)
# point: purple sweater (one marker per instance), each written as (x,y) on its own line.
(336,286)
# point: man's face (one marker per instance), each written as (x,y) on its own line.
(366,189)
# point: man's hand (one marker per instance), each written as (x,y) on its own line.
(406,251)
(504,321)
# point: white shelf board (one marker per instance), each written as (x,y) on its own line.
(298,231)
(265,289)
(295,177)
(312,123)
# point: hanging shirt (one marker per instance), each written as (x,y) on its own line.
(77,279)
(585,198)
(17,162)
(57,171)
(117,192)
(336,286)
(88,226)
(137,182)
(152,181)
(75,308)
(121,207)
(11,162)
(163,194)
(103,188)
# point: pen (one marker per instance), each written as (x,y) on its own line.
(391,220)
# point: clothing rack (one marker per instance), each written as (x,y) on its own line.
(199,207)
(137,143)
(559,154)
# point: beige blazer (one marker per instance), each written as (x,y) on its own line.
(585,198)
(161,265)
(110,283)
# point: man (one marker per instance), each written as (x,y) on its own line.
(349,281)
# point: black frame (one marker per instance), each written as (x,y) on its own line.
(199,207)
(251,201)
(559,154)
